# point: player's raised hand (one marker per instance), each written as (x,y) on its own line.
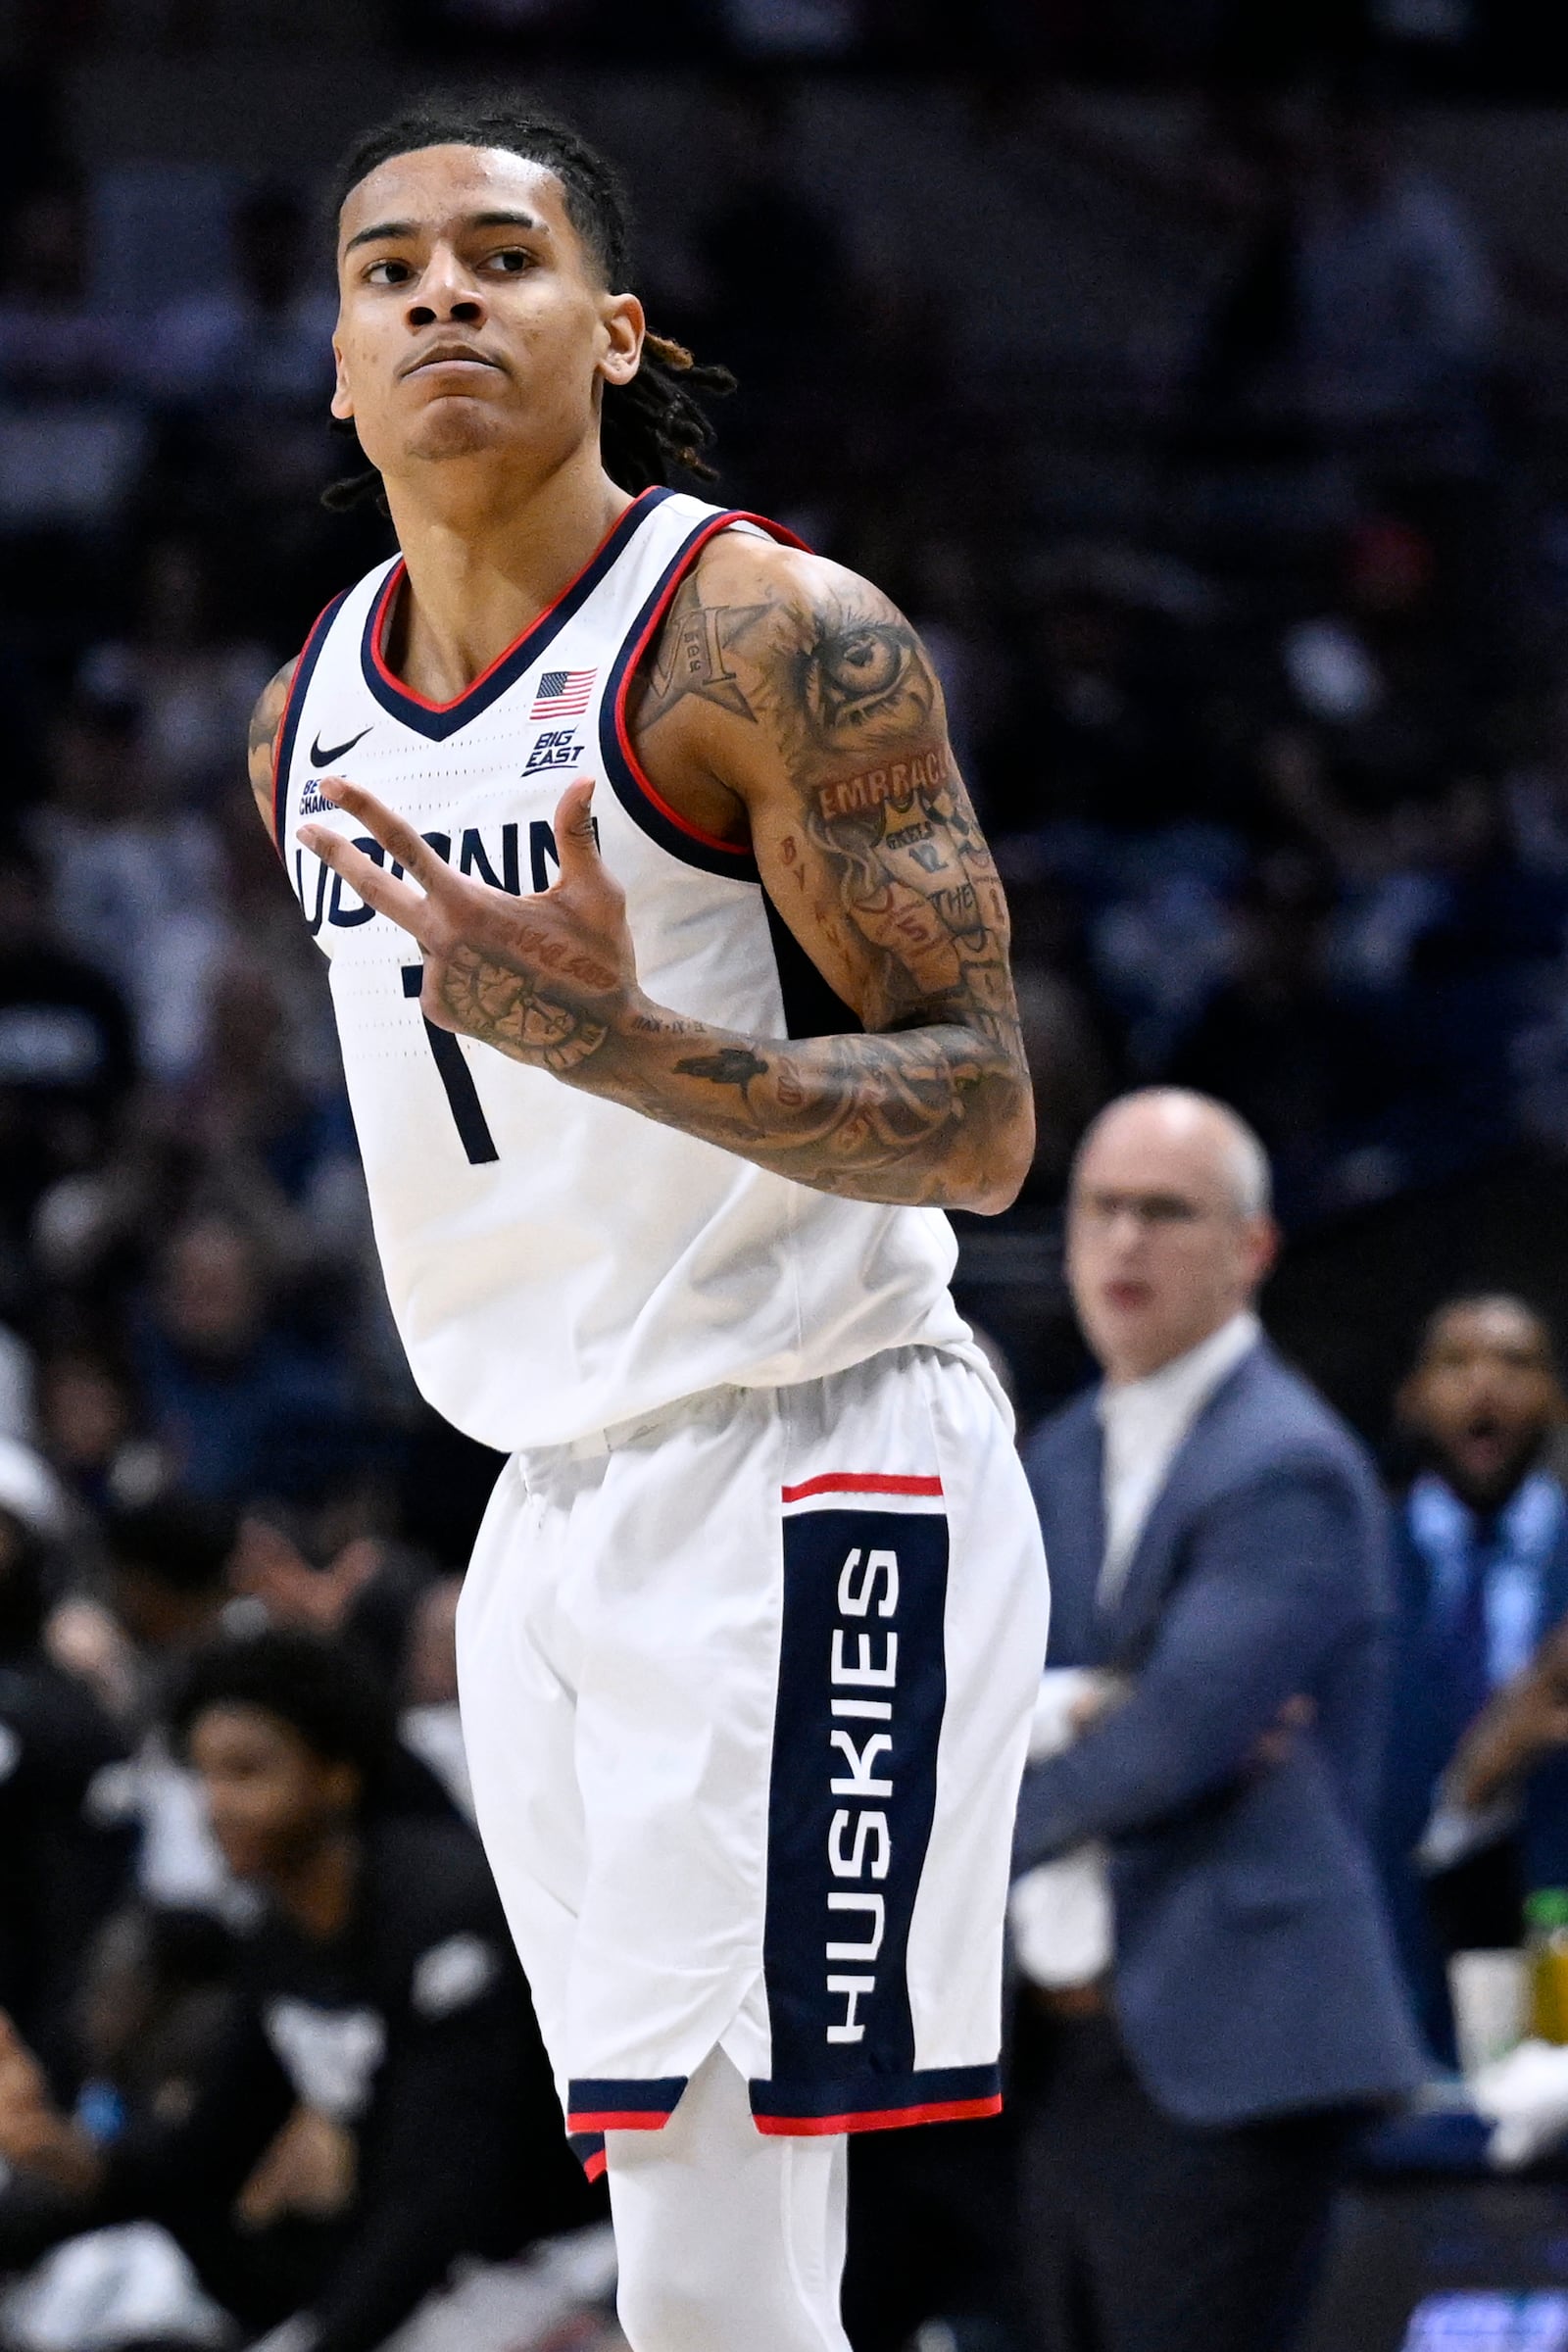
(542,978)
(415,910)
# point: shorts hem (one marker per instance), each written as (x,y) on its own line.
(589,2149)
(598,2103)
(935,2095)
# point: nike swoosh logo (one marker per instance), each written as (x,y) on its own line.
(323,753)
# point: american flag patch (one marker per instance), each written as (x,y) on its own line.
(563,693)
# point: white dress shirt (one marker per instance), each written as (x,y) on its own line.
(1061,1912)
(1146,1421)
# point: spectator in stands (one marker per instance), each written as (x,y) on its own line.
(1363,316)
(136,881)
(1101,732)
(67,1052)
(325,1571)
(1216,2005)
(54,339)
(429,1722)
(193,683)
(72,440)
(1483,1583)
(166,1584)
(1304,1067)
(161,1597)
(90,1427)
(155,2008)
(64,1859)
(242,1409)
(765,334)
(263,339)
(383,2020)
(1393,294)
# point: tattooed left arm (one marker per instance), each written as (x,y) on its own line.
(788,698)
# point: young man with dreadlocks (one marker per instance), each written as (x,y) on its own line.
(661,1082)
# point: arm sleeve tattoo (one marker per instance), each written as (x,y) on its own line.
(829,720)
(266,719)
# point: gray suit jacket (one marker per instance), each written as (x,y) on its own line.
(1254,1970)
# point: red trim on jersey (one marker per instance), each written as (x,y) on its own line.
(594,2165)
(400,572)
(720,523)
(649,2119)
(296,686)
(860,1482)
(878,2118)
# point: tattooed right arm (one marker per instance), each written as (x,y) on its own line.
(790,702)
(266,719)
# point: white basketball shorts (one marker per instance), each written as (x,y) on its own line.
(745,1692)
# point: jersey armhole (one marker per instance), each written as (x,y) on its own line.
(629,780)
(289,726)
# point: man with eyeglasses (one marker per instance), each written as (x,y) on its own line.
(1212,2006)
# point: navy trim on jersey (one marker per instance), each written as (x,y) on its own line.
(631,787)
(298,685)
(438,720)
(860,1700)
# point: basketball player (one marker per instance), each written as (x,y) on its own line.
(672,975)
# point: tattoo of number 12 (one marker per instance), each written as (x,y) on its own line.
(457,1079)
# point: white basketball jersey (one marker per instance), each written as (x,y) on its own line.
(557,1263)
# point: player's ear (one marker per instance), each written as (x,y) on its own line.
(623,328)
(342,402)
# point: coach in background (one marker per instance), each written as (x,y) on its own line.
(1476,1786)
(1201,2043)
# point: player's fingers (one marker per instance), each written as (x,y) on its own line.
(396,835)
(576,844)
(410,908)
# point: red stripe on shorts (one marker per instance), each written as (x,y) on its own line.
(650,2119)
(881,2119)
(860,1482)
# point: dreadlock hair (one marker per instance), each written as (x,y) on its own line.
(649,427)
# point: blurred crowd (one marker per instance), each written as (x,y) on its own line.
(1280,788)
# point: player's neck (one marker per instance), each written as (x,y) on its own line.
(485,562)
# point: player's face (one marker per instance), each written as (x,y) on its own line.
(471,317)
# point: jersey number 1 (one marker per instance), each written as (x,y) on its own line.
(467,1112)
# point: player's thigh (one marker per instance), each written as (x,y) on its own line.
(518,1726)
